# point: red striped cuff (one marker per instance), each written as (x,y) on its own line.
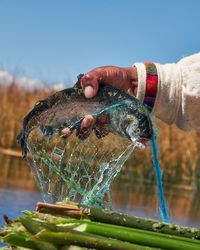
(151,84)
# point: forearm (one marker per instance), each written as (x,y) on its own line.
(178,92)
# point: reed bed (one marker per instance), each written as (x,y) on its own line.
(14,104)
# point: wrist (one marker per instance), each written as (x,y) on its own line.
(147,83)
(151,84)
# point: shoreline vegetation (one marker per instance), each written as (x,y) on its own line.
(178,150)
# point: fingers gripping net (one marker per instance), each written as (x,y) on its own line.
(75,170)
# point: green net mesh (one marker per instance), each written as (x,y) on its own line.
(74,170)
(82,170)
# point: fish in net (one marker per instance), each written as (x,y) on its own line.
(82,170)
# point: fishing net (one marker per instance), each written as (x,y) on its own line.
(82,170)
(75,170)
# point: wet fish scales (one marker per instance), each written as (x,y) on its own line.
(68,107)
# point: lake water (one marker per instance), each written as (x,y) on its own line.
(18,192)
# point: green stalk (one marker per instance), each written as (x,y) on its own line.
(111,217)
(115,218)
(34,225)
(137,236)
(19,239)
(22,239)
(72,237)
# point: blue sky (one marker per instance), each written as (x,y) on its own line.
(55,40)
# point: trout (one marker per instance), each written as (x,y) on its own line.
(68,107)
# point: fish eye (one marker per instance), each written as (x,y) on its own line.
(137,131)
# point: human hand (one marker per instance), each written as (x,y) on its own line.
(122,78)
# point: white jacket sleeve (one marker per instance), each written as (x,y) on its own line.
(178,96)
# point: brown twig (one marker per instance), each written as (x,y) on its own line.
(62,209)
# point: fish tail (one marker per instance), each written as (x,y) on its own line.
(21,139)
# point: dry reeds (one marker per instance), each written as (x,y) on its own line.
(14,104)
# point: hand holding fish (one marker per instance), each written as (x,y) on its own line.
(122,78)
(67,111)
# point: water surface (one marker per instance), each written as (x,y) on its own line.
(18,191)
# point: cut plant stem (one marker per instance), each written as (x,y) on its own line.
(72,237)
(136,236)
(111,217)
(139,236)
(22,239)
(35,224)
